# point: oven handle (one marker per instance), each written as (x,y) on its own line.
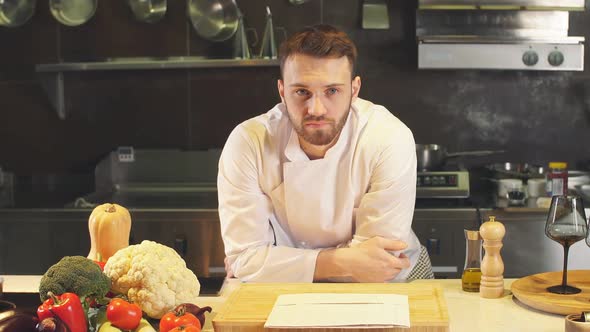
(433,246)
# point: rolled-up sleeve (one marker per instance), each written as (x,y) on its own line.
(245,213)
(387,208)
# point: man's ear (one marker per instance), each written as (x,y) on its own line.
(281,87)
(356,87)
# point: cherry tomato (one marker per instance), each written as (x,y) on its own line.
(186,328)
(174,319)
(123,314)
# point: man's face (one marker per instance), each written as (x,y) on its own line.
(318,93)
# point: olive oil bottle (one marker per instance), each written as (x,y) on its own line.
(471,278)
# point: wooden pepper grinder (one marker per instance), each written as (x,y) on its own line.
(492,266)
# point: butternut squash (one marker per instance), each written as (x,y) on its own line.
(109,226)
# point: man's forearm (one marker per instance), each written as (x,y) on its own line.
(331,267)
(368,262)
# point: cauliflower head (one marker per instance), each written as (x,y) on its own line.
(153,276)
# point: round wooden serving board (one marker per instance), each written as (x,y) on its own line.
(532,291)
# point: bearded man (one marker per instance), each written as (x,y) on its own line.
(321,187)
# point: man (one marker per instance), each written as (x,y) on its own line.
(321,187)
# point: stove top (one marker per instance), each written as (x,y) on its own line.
(442,184)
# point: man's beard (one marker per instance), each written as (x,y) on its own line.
(321,136)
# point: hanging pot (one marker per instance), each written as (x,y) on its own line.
(149,11)
(432,157)
(14,13)
(215,20)
(73,12)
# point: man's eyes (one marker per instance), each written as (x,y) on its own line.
(331,91)
(305,93)
(302,92)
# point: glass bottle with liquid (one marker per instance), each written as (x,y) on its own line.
(556,177)
(471,277)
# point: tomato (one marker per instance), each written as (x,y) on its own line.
(173,319)
(187,328)
(123,314)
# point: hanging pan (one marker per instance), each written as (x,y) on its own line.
(215,20)
(14,13)
(73,12)
(149,11)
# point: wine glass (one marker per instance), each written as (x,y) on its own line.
(566,224)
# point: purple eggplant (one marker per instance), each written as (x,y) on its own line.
(52,324)
(14,320)
(195,310)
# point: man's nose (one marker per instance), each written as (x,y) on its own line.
(316,107)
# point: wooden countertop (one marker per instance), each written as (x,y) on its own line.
(467,311)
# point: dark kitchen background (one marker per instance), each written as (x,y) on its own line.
(534,116)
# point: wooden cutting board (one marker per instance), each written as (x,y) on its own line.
(532,291)
(248,307)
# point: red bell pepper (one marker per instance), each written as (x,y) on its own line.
(100,264)
(123,314)
(67,307)
(99,261)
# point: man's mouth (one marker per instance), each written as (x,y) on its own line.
(316,124)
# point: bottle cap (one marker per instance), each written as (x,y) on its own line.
(557,164)
(471,234)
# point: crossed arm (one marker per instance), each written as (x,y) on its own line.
(370,261)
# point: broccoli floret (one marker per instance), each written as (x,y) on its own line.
(75,274)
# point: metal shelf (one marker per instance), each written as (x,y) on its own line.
(154,63)
(52,76)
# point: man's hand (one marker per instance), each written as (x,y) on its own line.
(370,261)
(229,272)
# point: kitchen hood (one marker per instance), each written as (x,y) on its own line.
(497,39)
(570,5)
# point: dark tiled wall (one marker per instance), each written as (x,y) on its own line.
(535,116)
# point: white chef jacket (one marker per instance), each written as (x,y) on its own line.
(278,208)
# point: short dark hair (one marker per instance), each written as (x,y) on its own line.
(322,41)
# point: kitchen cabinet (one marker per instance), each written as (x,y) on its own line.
(441,232)
(24,247)
(31,240)
(527,250)
(197,240)
(30,243)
